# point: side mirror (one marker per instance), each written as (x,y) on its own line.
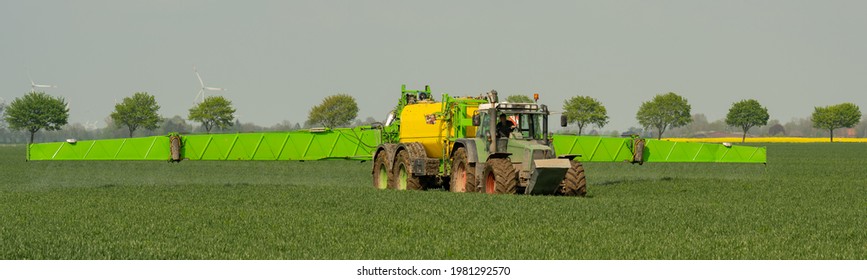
(563,121)
(477,120)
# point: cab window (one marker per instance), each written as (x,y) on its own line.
(482,131)
(529,125)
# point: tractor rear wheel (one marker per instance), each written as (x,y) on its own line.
(500,176)
(575,184)
(402,172)
(463,177)
(382,175)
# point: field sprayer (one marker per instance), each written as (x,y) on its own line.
(425,144)
(452,144)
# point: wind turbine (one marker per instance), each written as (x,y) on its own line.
(204,88)
(33,85)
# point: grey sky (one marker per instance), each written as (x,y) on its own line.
(279,58)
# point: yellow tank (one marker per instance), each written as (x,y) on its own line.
(419,123)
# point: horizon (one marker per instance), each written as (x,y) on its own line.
(279,59)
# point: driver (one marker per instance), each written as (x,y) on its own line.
(504,126)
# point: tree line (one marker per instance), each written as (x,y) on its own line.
(37,111)
(670,110)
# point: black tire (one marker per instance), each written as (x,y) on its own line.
(463,177)
(575,184)
(500,176)
(416,150)
(402,173)
(382,174)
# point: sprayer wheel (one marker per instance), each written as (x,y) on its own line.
(575,184)
(402,172)
(382,174)
(500,176)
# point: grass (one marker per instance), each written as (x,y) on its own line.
(808,203)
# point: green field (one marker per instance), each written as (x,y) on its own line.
(809,202)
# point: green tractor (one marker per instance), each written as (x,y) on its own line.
(459,147)
(513,154)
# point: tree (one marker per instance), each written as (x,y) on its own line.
(862,128)
(776,129)
(585,110)
(35,111)
(140,110)
(214,111)
(664,111)
(334,111)
(111,130)
(284,125)
(801,127)
(747,114)
(520,98)
(695,128)
(176,124)
(836,116)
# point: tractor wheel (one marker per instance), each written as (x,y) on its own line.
(402,172)
(382,175)
(574,184)
(463,177)
(500,176)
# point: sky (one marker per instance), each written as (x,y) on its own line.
(280,58)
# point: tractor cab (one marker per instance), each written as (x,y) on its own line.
(515,139)
(512,121)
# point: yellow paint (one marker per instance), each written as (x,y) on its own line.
(769,140)
(414,127)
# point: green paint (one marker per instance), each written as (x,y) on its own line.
(383,177)
(606,149)
(358,144)
(355,144)
(403,175)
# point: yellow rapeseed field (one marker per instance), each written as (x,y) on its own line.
(769,140)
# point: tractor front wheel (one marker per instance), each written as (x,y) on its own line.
(500,176)
(574,184)
(463,177)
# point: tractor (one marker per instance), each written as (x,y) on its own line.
(454,144)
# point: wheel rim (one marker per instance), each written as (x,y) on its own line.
(461,180)
(383,177)
(401,178)
(490,182)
